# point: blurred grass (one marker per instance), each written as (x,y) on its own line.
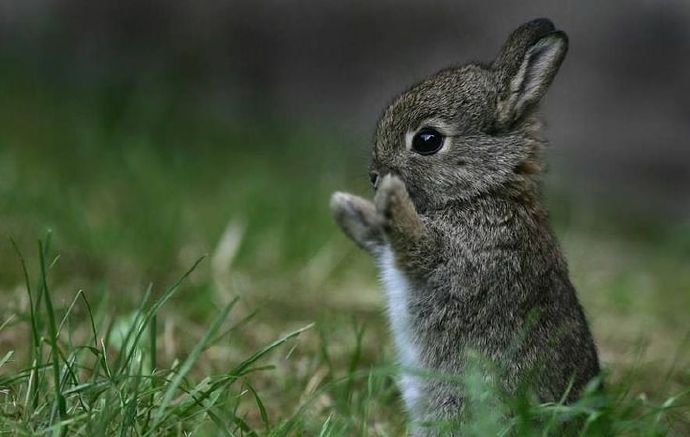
(136,181)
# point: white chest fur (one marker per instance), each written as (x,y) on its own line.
(397,290)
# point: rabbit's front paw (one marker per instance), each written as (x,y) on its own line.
(358,218)
(400,219)
(391,197)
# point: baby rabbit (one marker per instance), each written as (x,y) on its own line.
(467,255)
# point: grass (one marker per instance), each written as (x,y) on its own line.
(111,384)
(138,184)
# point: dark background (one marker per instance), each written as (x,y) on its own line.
(618,115)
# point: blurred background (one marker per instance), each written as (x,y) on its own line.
(147,134)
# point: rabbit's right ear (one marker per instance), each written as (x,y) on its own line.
(526,66)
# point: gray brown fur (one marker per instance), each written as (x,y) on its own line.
(468,229)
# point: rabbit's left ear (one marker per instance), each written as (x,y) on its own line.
(526,81)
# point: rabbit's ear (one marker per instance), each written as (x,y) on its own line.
(513,51)
(526,66)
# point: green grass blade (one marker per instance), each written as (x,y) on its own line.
(91,320)
(262,408)
(154,310)
(32,308)
(189,362)
(123,357)
(130,407)
(31,399)
(246,364)
(52,329)
(70,308)
(6,358)
(153,346)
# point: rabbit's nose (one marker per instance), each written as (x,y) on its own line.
(374,178)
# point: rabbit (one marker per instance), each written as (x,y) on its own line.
(467,256)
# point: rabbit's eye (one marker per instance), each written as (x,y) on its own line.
(427,141)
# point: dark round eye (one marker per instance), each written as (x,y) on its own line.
(427,141)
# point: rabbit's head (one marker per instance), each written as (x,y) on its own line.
(468,130)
